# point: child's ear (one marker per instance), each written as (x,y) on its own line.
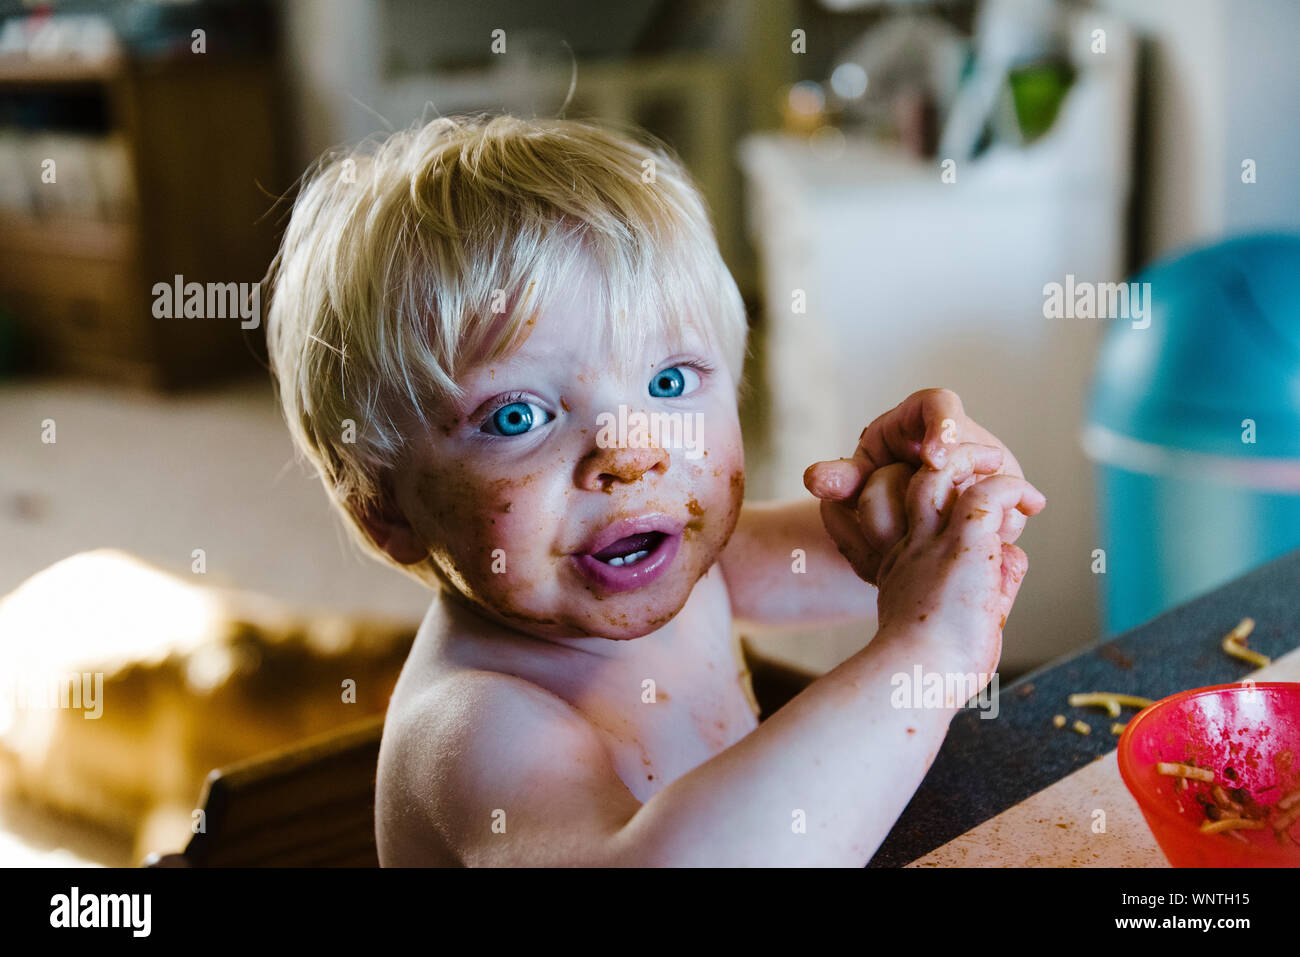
(388,528)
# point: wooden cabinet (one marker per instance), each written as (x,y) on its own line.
(201,139)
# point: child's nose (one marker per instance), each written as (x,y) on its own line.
(599,470)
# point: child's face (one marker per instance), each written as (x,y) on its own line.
(518,488)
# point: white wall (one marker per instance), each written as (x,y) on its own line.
(332,49)
(1263,114)
(1224,86)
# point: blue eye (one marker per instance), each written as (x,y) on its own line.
(515,418)
(674,382)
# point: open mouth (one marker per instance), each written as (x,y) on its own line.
(629,554)
(630,550)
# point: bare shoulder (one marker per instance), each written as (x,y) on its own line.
(479,767)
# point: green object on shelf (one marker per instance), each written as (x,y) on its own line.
(1037,91)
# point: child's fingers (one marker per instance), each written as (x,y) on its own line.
(981,509)
(1013,523)
(940,409)
(1015,563)
(931,491)
(921,422)
(920,430)
(841,480)
(882,515)
(837,480)
(971,458)
(841,524)
(888,439)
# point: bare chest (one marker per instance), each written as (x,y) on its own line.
(665,725)
(683,701)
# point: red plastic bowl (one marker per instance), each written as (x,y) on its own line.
(1254,730)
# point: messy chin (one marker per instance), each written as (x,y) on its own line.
(580,615)
(585,598)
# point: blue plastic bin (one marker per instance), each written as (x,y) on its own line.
(1185,500)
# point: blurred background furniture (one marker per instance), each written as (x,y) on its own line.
(697,74)
(883,276)
(124,686)
(133,168)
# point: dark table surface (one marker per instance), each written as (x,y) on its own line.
(989,765)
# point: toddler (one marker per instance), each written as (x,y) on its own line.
(513,352)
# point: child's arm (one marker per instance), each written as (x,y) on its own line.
(781,568)
(838,759)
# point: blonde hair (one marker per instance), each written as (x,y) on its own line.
(417,255)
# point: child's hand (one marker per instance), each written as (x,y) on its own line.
(952,573)
(866,527)
(923,429)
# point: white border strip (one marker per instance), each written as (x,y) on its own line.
(1110,448)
